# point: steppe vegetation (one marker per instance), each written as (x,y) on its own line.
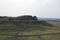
(9,28)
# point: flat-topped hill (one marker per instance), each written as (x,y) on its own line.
(11,26)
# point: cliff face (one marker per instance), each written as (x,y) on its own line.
(27,17)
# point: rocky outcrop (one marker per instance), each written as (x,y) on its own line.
(27,17)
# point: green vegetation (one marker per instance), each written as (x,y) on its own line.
(9,29)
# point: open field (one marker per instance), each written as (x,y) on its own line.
(56,23)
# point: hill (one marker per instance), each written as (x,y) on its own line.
(10,28)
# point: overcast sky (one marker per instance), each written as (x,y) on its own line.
(40,8)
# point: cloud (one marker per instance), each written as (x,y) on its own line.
(40,8)
(48,8)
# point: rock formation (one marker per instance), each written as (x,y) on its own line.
(27,17)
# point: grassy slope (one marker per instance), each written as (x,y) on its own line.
(37,27)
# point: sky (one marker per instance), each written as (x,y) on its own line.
(39,8)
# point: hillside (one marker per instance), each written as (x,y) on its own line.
(9,29)
(18,25)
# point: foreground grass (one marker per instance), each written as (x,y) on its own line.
(47,32)
(9,35)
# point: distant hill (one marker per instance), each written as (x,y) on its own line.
(57,19)
(12,23)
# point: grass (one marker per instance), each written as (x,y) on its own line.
(8,30)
